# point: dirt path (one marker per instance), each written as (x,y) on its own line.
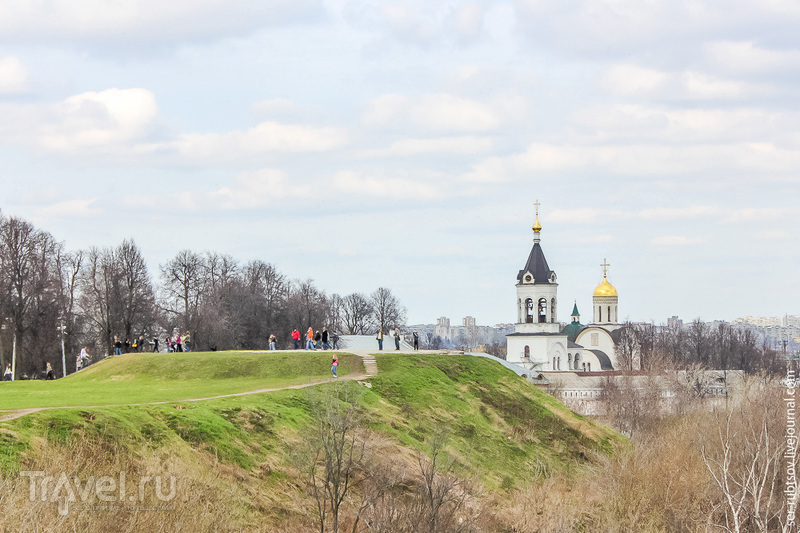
(369,364)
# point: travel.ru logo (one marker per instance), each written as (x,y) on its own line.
(103,493)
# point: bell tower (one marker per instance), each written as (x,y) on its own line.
(537,301)
(605,301)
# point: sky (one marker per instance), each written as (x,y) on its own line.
(403,144)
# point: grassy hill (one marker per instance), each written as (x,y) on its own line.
(502,432)
(152,377)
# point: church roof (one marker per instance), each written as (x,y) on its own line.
(605,361)
(536,265)
(572,329)
(575,310)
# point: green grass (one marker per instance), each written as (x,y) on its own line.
(501,429)
(144,378)
(498,423)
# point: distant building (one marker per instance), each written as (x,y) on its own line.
(674,322)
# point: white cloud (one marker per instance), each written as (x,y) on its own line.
(356,183)
(125,22)
(13,75)
(263,140)
(275,106)
(435,112)
(635,81)
(637,122)
(629,80)
(676,240)
(585,214)
(747,57)
(442,145)
(257,189)
(774,235)
(766,160)
(680,213)
(70,208)
(98,120)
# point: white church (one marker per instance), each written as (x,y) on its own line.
(540,343)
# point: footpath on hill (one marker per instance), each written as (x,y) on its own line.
(370,370)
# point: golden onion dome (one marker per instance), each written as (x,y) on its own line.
(536,226)
(605,289)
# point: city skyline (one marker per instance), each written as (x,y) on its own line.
(403,144)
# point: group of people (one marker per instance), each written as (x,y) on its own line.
(178,343)
(316,340)
(397,336)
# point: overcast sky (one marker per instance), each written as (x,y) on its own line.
(404,143)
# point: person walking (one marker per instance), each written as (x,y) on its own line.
(84,357)
(186,345)
(296,338)
(334,365)
(317,339)
(155,344)
(178,342)
(396,338)
(310,339)
(416,340)
(8,375)
(380,338)
(335,340)
(117,346)
(325,345)
(272,341)
(49,372)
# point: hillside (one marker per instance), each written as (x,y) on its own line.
(235,456)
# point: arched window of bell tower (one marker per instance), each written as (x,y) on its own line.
(529,310)
(542,310)
(553,310)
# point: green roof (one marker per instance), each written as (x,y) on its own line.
(572,329)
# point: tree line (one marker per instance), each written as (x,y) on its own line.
(87,297)
(721,346)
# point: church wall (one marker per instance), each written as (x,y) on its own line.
(597,338)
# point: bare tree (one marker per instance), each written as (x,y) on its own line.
(182,280)
(334,453)
(745,465)
(387,311)
(138,311)
(27,259)
(627,348)
(356,314)
(68,267)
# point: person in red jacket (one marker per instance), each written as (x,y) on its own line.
(296,338)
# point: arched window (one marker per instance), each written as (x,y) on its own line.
(542,310)
(599,314)
(559,363)
(589,366)
(529,310)
(527,352)
(569,361)
(554,363)
(609,313)
(553,310)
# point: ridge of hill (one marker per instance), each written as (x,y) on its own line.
(502,431)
